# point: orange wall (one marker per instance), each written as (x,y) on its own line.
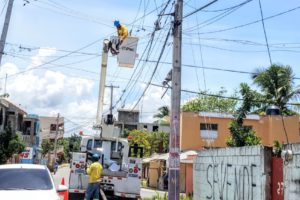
(268,128)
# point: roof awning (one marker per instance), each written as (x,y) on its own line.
(184,156)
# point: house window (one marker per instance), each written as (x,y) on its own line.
(26,128)
(211,127)
(208,131)
(155,128)
(52,127)
(145,126)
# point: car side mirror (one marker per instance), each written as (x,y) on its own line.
(62,188)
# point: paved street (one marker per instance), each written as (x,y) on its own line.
(63,172)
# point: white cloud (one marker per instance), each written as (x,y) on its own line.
(40,58)
(8,68)
(48,92)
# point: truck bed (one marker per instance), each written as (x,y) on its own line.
(107,172)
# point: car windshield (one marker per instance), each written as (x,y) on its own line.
(25,179)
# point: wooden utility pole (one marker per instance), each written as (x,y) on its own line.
(5,28)
(174,148)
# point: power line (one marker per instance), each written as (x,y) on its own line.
(129,83)
(220,10)
(149,82)
(244,51)
(219,96)
(218,17)
(213,68)
(265,34)
(56,59)
(150,51)
(4,5)
(250,23)
(227,69)
(201,8)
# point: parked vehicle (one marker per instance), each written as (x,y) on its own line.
(27,182)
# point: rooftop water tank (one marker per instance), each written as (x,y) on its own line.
(273,110)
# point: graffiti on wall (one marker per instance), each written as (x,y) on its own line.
(224,181)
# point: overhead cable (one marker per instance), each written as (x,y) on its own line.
(265,34)
(250,23)
(157,63)
(201,8)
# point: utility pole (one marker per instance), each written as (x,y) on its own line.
(105,50)
(111,97)
(5,28)
(56,135)
(174,148)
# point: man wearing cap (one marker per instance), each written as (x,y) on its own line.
(122,34)
(94,171)
(121,29)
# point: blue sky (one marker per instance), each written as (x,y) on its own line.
(44,30)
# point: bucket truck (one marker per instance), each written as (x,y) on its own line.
(121,169)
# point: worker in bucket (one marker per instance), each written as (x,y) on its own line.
(94,171)
(122,34)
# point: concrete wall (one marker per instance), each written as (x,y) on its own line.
(233,173)
(128,116)
(291,174)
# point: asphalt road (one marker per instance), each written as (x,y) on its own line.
(63,172)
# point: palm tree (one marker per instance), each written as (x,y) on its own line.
(163,112)
(277,85)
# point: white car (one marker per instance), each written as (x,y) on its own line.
(27,182)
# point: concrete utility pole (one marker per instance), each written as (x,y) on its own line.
(105,49)
(111,97)
(5,28)
(174,148)
(56,135)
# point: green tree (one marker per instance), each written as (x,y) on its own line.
(47,146)
(141,138)
(74,142)
(70,144)
(243,135)
(156,142)
(163,116)
(159,142)
(277,85)
(164,111)
(211,102)
(9,144)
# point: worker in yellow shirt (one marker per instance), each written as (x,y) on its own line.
(94,171)
(122,30)
(122,35)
